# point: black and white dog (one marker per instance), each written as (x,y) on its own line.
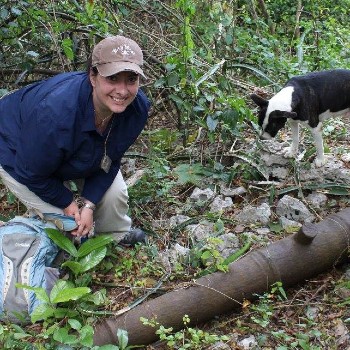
(309,99)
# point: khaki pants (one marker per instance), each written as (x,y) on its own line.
(110,215)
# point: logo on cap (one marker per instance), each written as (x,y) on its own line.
(124,49)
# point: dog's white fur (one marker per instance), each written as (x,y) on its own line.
(310,100)
(282,101)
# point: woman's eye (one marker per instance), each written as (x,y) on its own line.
(112,78)
(117,77)
(133,78)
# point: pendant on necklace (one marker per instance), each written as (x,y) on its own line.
(106,163)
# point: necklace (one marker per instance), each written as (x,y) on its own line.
(106,161)
(97,118)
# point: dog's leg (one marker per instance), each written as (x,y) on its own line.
(292,150)
(317,135)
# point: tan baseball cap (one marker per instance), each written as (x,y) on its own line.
(116,54)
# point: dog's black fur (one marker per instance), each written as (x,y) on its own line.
(311,98)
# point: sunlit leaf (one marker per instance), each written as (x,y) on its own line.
(62,241)
(93,259)
(70,294)
(94,243)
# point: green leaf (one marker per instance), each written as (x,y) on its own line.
(178,100)
(94,258)
(206,255)
(275,227)
(42,312)
(173,79)
(75,324)
(89,7)
(67,45)
(40,292)
(62,241)
(11,198)
(123,338)
(189,173)
(59,286)
(3,13)
(93,244)
(99,297)
(74,266)
(63,312)
(86,336)
(61,335)
(211,123)
(211,71)
(3,92)
(70,294)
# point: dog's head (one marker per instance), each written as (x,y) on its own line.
(270,120)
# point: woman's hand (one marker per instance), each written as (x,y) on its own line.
(72,210)
(83,218)
(85,223)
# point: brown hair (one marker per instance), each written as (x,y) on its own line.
(89,66)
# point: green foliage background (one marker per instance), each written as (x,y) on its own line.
(203,58)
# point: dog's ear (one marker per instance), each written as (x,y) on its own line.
(291,115)
(283,114)
(261,102)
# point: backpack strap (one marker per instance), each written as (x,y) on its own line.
(62,222)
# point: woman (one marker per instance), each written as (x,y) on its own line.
(77,126)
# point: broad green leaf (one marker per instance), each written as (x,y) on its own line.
(74,266)
(123,338)
(206,255)
(94,243)
(99,297)
(61,335)
(63,312)
(19,336)
(59,286)
(62,241)
(94,258)
(70,294)
(17,328)
(173,79)
(42,312)
(86,336)
(275,227)
(189,173)
(75,324)
(40,292)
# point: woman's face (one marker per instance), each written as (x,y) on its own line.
(114,93)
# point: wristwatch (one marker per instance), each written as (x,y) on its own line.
(90,206)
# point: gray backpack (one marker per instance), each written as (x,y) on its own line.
(26,256)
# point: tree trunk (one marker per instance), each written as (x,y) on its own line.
(314,249)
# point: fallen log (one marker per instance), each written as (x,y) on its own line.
(314,249)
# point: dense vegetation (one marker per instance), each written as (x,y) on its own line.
(202,59)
